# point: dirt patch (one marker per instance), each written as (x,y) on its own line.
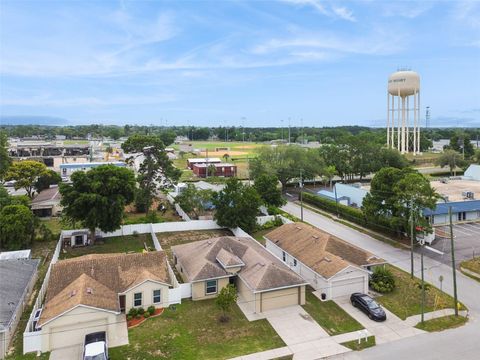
(169,239)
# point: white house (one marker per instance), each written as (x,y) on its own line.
(332,266)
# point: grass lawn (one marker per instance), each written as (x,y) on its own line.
(258,235)
(118,244)
(442,323)
(354,345)
(472,265)
(192,331)
(329,315)
(405,299)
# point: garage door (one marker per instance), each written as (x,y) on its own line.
(347,286)
(69,335)
(279,298)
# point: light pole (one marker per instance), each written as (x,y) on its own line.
(453,262)
(282,129)
(422,243)
(243,128)
(411,239)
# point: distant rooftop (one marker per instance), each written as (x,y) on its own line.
(455,189)
(19,273)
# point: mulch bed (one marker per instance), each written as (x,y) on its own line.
(135,322)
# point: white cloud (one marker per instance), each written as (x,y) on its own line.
(325,8)
(406,9)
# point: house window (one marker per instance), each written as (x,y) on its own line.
(211,287)
(462,216)
(284,256)
(78,240)
(137,299)
(156,296)
(294,262)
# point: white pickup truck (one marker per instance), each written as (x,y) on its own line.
(95,346)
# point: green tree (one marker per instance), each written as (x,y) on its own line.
(450,158)
(476,156)
(97,198)
(193,200)
(226,298)
(286,163)
(25,174)
(267,187)
(329,173)
(16,227)
(394,193)
(156,172)
(167,137)
(5,160)
(461,142)
(44,181)
(237,205)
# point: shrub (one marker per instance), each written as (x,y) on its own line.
(146,314)
(138,316)
(151,309)
(141,311)
(133,312)
(129,317)
(382,280)
(273,210)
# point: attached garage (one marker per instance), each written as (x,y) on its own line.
(348,286)
(74,334)
(271,300)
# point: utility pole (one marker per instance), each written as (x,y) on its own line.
(453,262)
(423,280)
(301,195)
(411,238)
(282,130)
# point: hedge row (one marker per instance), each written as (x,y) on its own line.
(354,215)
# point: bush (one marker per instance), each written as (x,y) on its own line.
(141,311)
(146,314)
(138,316)
(151,309)
(382,280)
(133,312)
(273,210)
(129,317)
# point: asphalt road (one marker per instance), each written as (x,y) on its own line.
(462,343)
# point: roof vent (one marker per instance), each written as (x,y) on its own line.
(262,264)
(315,237)
(327,259)
(209,242)
(298,227)
(73,293)
(89,290)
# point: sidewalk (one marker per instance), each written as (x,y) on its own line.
(415,319)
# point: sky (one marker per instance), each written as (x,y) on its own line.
(236,63)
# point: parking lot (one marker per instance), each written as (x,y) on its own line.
(466,240)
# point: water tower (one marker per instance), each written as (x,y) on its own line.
(403,102)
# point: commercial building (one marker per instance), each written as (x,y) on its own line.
(221,169)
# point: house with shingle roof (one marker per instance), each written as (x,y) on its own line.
(329,264)
(91,293)
(263,281)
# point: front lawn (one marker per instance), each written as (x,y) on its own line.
(442,323)
(406,299)
(329,315)
(117,244)
(354,345)
(472,265)
(193,331)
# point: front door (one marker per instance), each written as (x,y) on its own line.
(121,299)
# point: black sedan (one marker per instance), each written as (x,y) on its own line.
(368,306)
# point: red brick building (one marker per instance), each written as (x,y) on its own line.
(222,169)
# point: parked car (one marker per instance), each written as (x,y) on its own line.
(95,346)
(368,306)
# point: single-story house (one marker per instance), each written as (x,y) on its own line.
(346,194)
(221,169)
(468,210)
(195,161)
(263,281)
(68,169)
(16,255)
(17,278)
(92,293)
(47,202)
(331,265)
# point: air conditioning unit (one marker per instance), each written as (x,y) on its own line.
(357,185)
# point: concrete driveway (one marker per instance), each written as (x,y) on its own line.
(389,330)
(294,325)
(70,353)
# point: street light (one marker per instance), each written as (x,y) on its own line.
(301,194)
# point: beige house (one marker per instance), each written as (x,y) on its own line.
(92,293)
(263,281)
(333,266)
(47,203)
